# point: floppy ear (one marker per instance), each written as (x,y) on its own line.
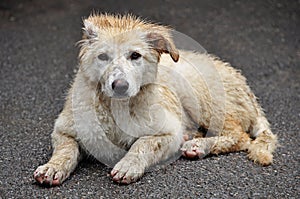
(90,31)
(89,35)
(163,45)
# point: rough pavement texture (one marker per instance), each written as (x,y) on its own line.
(38,58)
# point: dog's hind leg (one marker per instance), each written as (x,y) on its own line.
(264,143)
(231,139)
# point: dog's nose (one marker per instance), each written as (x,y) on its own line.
(120,86)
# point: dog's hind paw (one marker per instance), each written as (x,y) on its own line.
(194,149)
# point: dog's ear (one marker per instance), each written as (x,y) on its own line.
(90,31)
(163,44)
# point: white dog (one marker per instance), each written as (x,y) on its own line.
(136,101)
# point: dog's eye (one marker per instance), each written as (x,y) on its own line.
(103,57)
(135,56)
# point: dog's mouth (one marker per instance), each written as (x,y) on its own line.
(114,95)
(120,97)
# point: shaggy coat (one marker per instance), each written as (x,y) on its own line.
(137,101)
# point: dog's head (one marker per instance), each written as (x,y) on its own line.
(122,53)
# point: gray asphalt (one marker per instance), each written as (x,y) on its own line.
(38,57)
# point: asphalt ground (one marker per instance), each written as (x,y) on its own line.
(37,62)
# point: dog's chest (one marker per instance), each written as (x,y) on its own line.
(98,133)
(111,129)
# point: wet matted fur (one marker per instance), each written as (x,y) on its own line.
(127,107)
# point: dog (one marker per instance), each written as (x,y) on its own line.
(137,101)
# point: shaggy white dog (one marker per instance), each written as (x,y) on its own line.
(137,100)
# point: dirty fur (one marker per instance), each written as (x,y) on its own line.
(136,101)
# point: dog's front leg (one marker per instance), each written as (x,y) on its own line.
(145,152)
(64,159)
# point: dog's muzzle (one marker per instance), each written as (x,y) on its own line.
(120,86)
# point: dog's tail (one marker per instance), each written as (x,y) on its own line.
(264,143)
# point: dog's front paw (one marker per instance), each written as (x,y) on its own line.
(50,174)
(128,170)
